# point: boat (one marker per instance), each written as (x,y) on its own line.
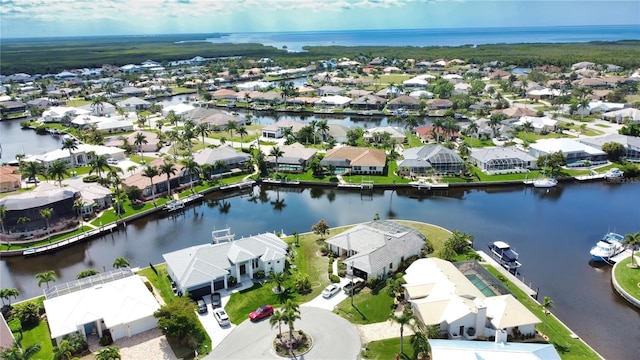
(609,246)
(507,257)
(421,184)
(174,205)
(545,182)
(614,173)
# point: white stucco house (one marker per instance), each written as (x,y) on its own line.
(117,300)
(203,269)
(376,248)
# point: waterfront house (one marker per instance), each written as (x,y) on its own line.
(374,135)
(333,102)
(117,300)
(62,114)
(328,90)
(439,104)
(356,160)
(631,144)
(268,98)
(295,158)
(404,102)
(575,152)
(277,130)
(9,179)
(203,269)
(368,102)
(160,182)
(440,294)
(226,158)
(540,124)
(375,249)
(23,218)
(501,160)
(153,141)
(104,109)
(430,133)
(42,103)
(81,156)
(133,104)
(429,159)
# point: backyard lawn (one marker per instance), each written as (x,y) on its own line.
(369,306)
(36,335)
(629,277)
(387,349)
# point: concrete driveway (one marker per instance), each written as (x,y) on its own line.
(333,338)
(210,324)
(332,302)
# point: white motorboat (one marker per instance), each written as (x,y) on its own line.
(507,257)
(545,182)
(614,173)
(609,246)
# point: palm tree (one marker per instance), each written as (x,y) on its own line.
(495,121)
(7,294)
(151,172)
(192,168)
(527,127)
(437,127)
(63,351)
(242,131)
(140,140)
(547,305)
(313,124)
(473,127)
(278,278)
(23,220)
(632,240)
(58,170)
(292,311)
(98,104)
(411,122)
(46,215)
(420,343)
(583,104)
(70,144)
(46,277)
(99,164)
(168,168)
(108,353)
(231,127)
(277,318)
(203,130)
(323,128)
(121,262)
(276,153)
(173,118)
(132,169)
(77,206)
(3,215)
(15,352)
(405,318)
(31,169)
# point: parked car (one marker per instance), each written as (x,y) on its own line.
(221,317)
(112,161)
(202,306)
(261,312)
(353,286)
(216,300)
(330,290)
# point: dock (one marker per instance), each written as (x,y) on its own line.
(177,204)
(623,255)
(71,240)
(240,185)
(522,286)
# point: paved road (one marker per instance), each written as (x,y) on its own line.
(333,338)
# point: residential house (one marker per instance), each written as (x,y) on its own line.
(626,115)
(254,86)
(516,112)
(502,160)
(540,124)
(333,102)
(160,182)
(302,101)
(133,104)
(80,156)
(12,107)
(295,158)
(225,157)
(178,109)
(368,102)
(474,350)
(6,336)
(10,179)
(131,91)
(575,152)
(376,249)
(421,94)
(357,93)
(374,135)
(416,83)
(328,90)
(439,104)
(27,205)
(599,106)
(631,144)
(42,103)
(220,119)
(429,159)
(117,301)
(356,160)
(104,109)
(277,130)
(404,102)
(268,98)
(583,65)
(94,197)
(430,133)
(152,144)
(224,94)
(203,269)
(440,294)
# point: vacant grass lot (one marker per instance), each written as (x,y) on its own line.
(387,349)
(628,277)
(568,347)
(369,306)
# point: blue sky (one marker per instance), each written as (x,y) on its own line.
(36,18)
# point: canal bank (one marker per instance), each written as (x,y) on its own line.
(623,281)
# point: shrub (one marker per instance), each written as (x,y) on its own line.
(91,178)
(28,313)
(334,278)
(260,274)
(106,338)
(232,281)
(149,286)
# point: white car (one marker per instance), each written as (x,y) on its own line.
(330,290)
(221,317)
(112,161)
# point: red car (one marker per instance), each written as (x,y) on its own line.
(261,313)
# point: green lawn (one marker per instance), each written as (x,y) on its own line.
(568,347)
(369,306)
(387,349)
(36,335)
(602,125)
(160,281)
(629,278)
(477,142)
(532,137)
(391,78)
(46,241)
(77,102)
(436,235)
(109,216)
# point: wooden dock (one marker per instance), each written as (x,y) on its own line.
(623,255)
(70,241)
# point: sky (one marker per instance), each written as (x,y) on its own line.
(53,18)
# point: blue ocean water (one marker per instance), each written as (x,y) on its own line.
(295,41)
